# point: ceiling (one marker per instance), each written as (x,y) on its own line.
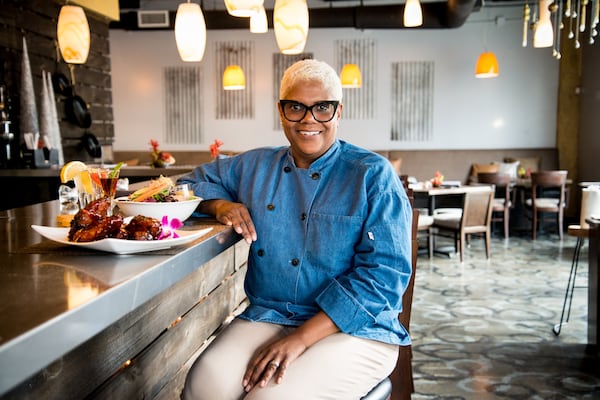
(358,14)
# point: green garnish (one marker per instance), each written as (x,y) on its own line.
(114,172)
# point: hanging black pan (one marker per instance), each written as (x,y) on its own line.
(61,84)
(92,146)
(76,109)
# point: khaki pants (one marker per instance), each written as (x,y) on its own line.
(339,367)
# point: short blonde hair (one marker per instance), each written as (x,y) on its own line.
(309,70)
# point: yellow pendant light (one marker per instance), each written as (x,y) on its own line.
(351,77)
(543,35)
(243,8)
(233,78)
(413,15)
(258,22)
(487,65)
(290,20)
(190,32)
(73,34)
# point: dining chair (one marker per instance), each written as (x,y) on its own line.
(475,218)
(502,198)
(548,196)
(400,384)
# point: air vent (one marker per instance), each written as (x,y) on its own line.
(153,19)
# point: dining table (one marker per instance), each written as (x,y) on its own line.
(432,197)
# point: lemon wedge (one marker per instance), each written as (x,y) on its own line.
(70,170)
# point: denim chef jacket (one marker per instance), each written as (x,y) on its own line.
(335,237)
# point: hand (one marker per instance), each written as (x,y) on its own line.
(271,361)
(237,216)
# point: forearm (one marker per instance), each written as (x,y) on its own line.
(209,206)
(315,329)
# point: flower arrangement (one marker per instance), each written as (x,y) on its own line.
(437,179)
(160,159)
(524,173)
(214,148)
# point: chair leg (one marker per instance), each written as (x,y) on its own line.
(506,224)
(560,225)
(461,245)
(534,223)
(430,242)
(570,288)
(488,240)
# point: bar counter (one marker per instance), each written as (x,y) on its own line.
(71,321)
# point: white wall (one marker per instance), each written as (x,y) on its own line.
(515,110)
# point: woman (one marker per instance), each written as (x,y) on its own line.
(329,227)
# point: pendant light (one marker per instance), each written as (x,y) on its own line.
(487,65)
(73,33)
(413,15)
(258,22)
(351,77)
(243,8)
(190,32)
(290,20)
(543,35)
(233,78)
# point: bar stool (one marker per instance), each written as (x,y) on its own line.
(581,233)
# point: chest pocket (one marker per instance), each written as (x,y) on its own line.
(333,240)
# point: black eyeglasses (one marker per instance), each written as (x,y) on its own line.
(322,111)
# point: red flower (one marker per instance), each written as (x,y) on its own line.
(214,148)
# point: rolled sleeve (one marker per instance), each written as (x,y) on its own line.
(343,308)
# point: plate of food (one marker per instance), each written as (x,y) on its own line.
(121,246)
(181,210)
(161,197)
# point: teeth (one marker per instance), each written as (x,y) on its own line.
(309,133)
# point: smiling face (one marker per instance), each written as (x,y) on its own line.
(309,139)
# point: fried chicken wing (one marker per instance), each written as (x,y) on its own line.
(93,223)
(106,227)
(141,228)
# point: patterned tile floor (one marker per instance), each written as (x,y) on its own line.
(483,329)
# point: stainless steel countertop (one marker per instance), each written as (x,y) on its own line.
(52,301)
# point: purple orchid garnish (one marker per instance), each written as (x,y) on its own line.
(169,228)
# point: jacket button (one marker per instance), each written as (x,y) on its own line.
(270,207)
(303,216)
(260,252)
(287,170)
(295,262)
(315,175)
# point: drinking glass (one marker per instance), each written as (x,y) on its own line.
(105,182)
(68,200)
(88,192)
(182,192)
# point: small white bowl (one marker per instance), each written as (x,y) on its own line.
(181,210)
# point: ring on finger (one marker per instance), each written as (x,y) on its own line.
(274,363)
